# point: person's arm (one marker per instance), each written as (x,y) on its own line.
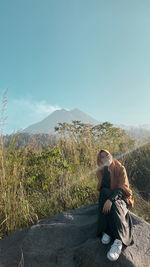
(117,194)
(123,183)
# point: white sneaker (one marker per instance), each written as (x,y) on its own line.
(105,239)
(114,252)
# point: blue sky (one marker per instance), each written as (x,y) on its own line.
(88,54)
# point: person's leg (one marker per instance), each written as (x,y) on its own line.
(102,223)
(120,227)
(120,223)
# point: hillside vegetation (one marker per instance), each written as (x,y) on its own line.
(37,181)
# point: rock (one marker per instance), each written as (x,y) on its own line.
(69,239)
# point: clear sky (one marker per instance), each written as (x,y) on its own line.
(92,55)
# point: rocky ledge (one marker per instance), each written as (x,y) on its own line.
(69,239)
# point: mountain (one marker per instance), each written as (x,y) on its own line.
(48,124)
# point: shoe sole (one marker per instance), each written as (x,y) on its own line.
(108,257)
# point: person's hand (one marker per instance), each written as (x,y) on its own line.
(107,206)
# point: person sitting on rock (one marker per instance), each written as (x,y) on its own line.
(115,199)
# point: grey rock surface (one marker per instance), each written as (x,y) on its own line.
(69,239)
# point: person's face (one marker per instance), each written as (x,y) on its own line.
(106,158)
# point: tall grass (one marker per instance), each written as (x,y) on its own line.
(15,210)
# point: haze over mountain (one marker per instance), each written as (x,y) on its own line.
(139,133)
(48,124)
